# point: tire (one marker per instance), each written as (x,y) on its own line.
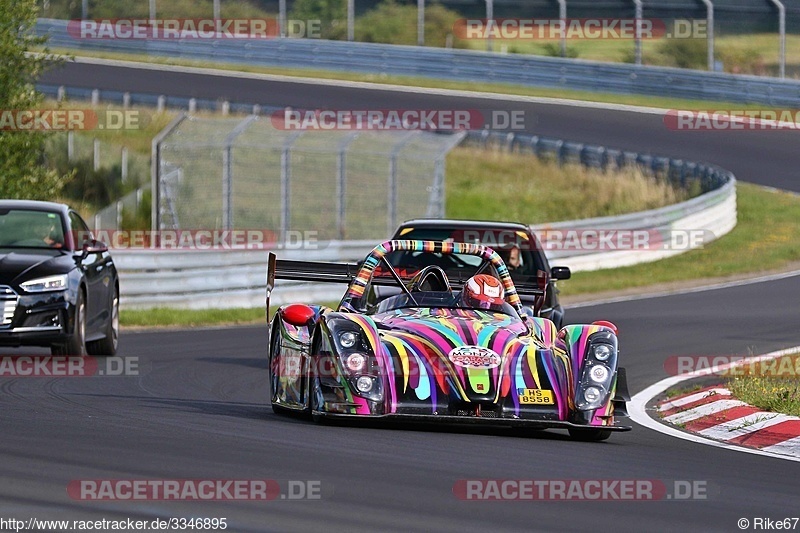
(589,435)
(108,345)
(274,345)
(76,345)
(315,394)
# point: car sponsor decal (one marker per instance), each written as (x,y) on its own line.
(474,357)
(536,396)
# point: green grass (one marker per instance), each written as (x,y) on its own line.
(497,185)
(779,393)
(163,316)
(765,238)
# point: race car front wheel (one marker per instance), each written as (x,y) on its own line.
(589,435)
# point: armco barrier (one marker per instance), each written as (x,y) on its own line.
(225,279)
(464,65)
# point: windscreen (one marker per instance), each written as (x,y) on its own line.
(22,228)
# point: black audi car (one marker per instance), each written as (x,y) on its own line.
(58,286)
(516,244)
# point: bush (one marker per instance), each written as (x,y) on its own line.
(392,23)
(332,14)
(554,50)
(685,53)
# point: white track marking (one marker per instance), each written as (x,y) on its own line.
(703,410)
(745,425)
(788,447)
(640,415)
(679,402)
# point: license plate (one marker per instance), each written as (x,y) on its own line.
(536,396)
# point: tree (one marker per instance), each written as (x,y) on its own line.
(22,174)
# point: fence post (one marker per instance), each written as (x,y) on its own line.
(97,222)
(85,9)
(162,102)
(341,185)
(710,35)
(124,164)
(421,22)
(62,92)
(638,37)
(392,200)
(126,100)
(489,17)
(70,145)
(782,33)
(227,172)
(155,170)
(119,214)
(192,105)
(351,18)
(282,18)
(562,14)
(96,153)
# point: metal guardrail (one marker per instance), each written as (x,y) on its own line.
(201,279)
(464,65)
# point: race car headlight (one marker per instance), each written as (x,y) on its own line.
(355,362)
(364,384)
(348,339)
(602,352)
(598,373)
(591,395)
(48,284)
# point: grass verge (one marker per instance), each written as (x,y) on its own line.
(778,393)
(764,239)
(749,248)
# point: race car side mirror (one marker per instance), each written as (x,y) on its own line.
(560,273)
(298,315)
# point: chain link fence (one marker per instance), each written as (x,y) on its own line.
(244,173)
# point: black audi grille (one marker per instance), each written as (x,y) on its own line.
(8,305)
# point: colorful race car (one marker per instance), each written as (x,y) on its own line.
(449,349)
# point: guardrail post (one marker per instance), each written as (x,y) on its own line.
(95,96)
(162,103)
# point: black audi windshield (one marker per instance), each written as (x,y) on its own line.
(24,228)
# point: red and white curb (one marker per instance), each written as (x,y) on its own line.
(712,416)
(713,413)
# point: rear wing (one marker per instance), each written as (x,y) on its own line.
(344,273)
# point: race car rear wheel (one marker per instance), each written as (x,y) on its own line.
(589,435)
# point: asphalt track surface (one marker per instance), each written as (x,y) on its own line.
(199,407)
